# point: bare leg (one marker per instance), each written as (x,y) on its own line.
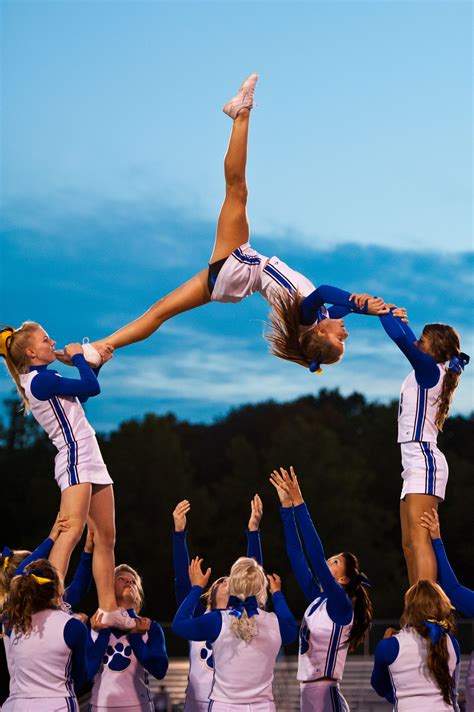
(75,503)
(406,544)
(232,231)
(424,559)
(102,521)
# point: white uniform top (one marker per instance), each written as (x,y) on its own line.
(41,660)
(414,687)
(201,671)
(243,672)
(417,410)
(62,417)
(7,641)
(323,643)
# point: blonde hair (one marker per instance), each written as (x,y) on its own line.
(125,568)
(247,578)
(289,341)
(427,600)
(15,356)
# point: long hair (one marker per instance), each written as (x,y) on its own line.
(360,601)
(444,344)
(31,593)
(16,359)
(125,568)
(423,601)
(210,596)
(247,578)
(291,342)
(8,566)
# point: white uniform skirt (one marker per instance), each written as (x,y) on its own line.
(266,706)
(322,696)
(145,707)
(41,704)
(81,462)
(195,705)
(470,685)
(425,469)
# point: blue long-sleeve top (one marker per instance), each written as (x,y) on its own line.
(48,382)
(386,652)
(313,573)
(86,654)
(81,581)
(325,294)
(152,652)
(460,596)
(41,552)
(182,583)
(426,369)
(208,626)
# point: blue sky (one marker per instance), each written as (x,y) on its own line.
(360,174)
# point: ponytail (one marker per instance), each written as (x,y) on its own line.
(9,562)
(13,343)
(247,586)
(36,589)
(356,589)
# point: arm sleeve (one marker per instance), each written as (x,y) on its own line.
(254,546)
(306,581)
(86,655)
(151,654)
(385,654)
(426,368)
(339,605)
(47,384)
(327,294)
(338,312)
(41,552)
(81,582)
(461,597)
(286,619)
(205,627)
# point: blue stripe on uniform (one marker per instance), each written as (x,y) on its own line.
(420,412)
(335,699)
(431,468)
(278,277)
(70,440)
(242,257)
(333,648)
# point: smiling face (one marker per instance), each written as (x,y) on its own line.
(40,349)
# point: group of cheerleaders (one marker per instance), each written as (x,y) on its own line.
(235,637)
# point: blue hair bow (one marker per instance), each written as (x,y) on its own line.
(6,551)
(457,363)
(315,366)
(436,629)
(238,606)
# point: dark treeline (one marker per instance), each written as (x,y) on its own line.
(343,449)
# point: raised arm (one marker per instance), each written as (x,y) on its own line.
(82,579)
(254,546)
(206,627)
(42,551)
(286,619)
(342,301)
(305,578)
(425,367)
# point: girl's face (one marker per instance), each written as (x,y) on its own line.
(40,349)
(337,567)
(424,343)
(222,595)
(335,331)
(126,590)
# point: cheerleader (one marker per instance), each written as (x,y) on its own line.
(460,596)
(86,486)
(122,682)
(245,638)
(416,668)
(340,611)
(425,398)
(303,330)
(201,659)
(50,650)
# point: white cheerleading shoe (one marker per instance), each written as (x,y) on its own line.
(91,354)
(243,99)
(119,618)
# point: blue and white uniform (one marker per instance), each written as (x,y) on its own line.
(243,671)
(424,467)
(327,622)
(201,658)
(56,405)
(122,680)
(246,271)
(401,674)
(49,661)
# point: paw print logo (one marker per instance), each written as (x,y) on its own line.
(304,639)
(117,657)
(206,655)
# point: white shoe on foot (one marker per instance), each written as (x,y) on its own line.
(243,99)
(119,618)
(91,354)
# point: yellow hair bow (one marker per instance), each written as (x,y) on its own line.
(444,623)
(6,561)
(40,579)
(5,336)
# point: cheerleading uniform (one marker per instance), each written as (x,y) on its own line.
(243,671)
(56,405)
(53,657)
(201,658)
(327,622)
(401,674)
(425,469)
(122,682)
(246,271)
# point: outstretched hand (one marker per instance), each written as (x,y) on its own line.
(288,482)
(430,521)
(60,525)
(275,582)
(196,575)
(179,515)
(283,496)
(256,513)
